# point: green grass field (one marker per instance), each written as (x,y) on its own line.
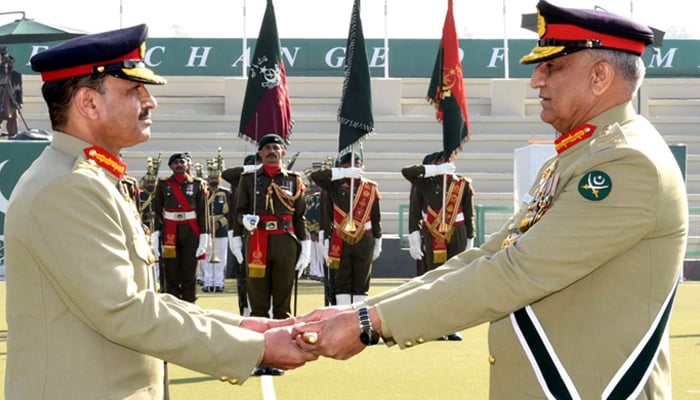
(438,370)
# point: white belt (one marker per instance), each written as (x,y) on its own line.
(179,216)
(458,218)
(368,225)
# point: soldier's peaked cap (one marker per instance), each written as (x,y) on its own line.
(270,138)
(177,156)
(119,53)
(345,158)
(563,31)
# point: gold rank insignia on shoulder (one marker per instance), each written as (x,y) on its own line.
(609,138)
(91,166)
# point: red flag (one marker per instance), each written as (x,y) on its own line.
(266,107)
(446,91)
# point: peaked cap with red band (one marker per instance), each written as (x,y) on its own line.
(563,31)
(118,53)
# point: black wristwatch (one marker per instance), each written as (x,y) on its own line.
(368,336)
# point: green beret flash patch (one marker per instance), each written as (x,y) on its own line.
(595,185)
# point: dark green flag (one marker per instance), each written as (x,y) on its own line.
(266,107)
(355,111)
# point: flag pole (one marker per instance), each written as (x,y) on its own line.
(350,226)
(443,225)
(505,43)
(244,70)
(386,40)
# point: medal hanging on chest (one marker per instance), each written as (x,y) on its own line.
(539,204)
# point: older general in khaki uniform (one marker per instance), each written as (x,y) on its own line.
(578,285)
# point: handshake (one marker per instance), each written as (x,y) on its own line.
(329,331)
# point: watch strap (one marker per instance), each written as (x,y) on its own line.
(368,336)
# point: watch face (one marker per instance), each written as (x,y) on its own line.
(369,339)
(364,338)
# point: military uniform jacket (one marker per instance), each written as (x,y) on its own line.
(233,177)
(195,191)
(427,192)
(338,192)
(84,320)
(595,271)
(289,200)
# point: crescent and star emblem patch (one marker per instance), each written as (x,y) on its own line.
(595,185)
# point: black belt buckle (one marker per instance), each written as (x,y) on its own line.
(271,225)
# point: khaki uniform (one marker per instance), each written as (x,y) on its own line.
(280,198)
(595,271)
(84,319)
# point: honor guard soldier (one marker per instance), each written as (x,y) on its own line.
(181,227)
(578,285)
(355,239)
(84,317)
(236,234)
(270,206)
(218,203)
(442,229)
(441,214)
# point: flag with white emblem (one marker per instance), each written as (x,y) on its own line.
(266,107)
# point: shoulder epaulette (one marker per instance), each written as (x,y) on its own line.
(609,137)
(90,165)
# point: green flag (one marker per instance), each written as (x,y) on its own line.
(355,111)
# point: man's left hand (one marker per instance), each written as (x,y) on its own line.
(304,257)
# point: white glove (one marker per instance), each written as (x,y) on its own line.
(340,173)
(440,169)
(236,245)
(377,248)
(250,221)
(155,238)
(203,242)
(247,168)
(304,257)
(324,242)
(470,243)
(414,241)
